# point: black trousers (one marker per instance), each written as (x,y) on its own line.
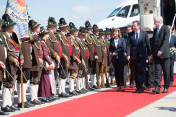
(162,65)
(150,74)
(132,75)
(139,67)
(171,69)
(125,71)
(119,73)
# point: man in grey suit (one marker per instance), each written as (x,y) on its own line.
(172,44)
(161,54)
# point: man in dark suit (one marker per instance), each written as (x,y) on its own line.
(126,69)
(137,44)
(172,44)
(161,54)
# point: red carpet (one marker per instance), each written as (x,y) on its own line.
(104,104)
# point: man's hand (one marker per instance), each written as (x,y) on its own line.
(78,60)
(128,58)
(21,62)
(66,58)
(58,58)
(96,57)
(114,54)
(2,65)
(16,62)
(41,61)
(159,53)
(51,67)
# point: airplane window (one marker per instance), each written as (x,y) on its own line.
(124,12)
(114,12)
(135,10)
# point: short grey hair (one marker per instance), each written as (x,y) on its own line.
(158,19)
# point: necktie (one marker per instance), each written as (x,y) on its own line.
(137,37)
(157,32)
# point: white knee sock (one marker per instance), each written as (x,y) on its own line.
(63,85)
(71,84)
(33,92)
(5,97)
(60,86)
(19,92)
(93,80)
(84,82)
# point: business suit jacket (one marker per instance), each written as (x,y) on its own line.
(161,42)
(121,47)
(135,49)
(172,43)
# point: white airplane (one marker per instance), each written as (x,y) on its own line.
(122,16)
(143,10)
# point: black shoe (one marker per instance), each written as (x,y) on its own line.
(3,113)
(14,108)
(25,105)
(95,87)
(54,98)
(41,102)
(131,85)
(29,104)
(165,90)
(7,109)
(45,100)
(84,90)
(138,91)
(148,88)
(73,93)
(64,95)
(35,102)
(91,89)
(156,90)
(80,92)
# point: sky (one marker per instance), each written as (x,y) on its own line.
(76,11)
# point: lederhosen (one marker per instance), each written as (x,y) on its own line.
(90,44)
(54,47)
(76,54)
(66,51)
(14,52)
(98,52)
(84,55)
(2,59)
(36,70)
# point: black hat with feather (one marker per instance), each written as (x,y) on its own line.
(72,27)
(62,23)
(7,21)
(51,22)
(88,25)
(95,28)
(33,24)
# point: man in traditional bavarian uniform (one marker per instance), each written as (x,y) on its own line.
(65,59)
(107,41)
(32,63)
(75,59)
(90,44)
(3,58)
(54,46)
(98,56)
(13,61)
(84,56)
(104,66)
